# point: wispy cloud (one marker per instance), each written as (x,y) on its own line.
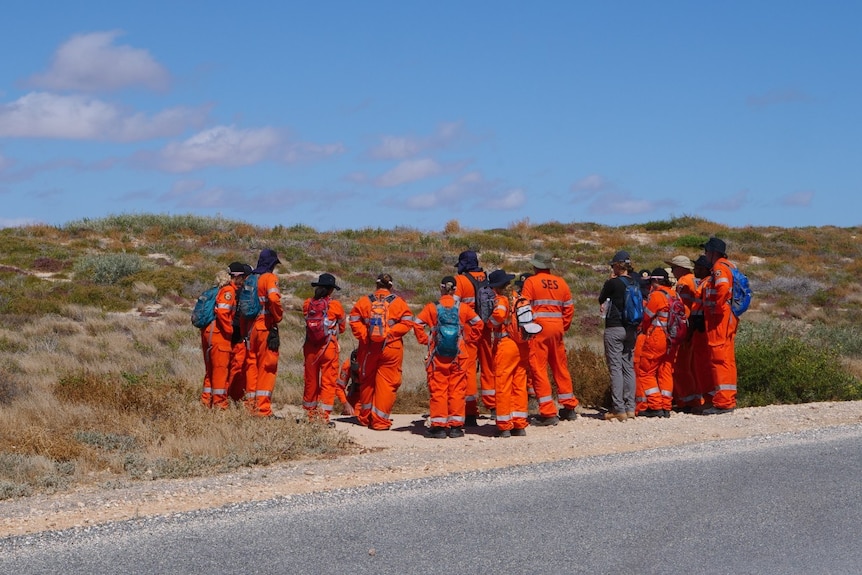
(304,152)
(774,97)
(729,203)
(507,200)
(625,204)
(93,62)
(589,186)
(392,147)
(797,199)
(223,146)
(76,117)
(409,171)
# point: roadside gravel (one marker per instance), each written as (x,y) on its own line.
(403,453)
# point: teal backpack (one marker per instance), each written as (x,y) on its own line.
(203,313)
(447,332)
(248,303)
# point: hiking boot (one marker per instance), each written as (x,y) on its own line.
(631,415)
(665,413)
(716,410)
(615,416)
(567,414)
(436,432)
(470,421)
(492,414)
(519,432)
(652,413)
(503,433)
(546,421)
(456,432)
(330,424)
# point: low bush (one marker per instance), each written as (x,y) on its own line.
(107,269)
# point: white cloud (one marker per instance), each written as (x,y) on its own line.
(409,171)
(797,199)
(402,147)
(729,203)
(92,62)
(619,203)
(45,115)
(508,200)
(223,146)
(309,152)
(465,189)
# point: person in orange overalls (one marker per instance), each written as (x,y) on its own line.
(480,353)
(654,372)
(236,370)
(721,325)
(380,361)
(699,344)
(510,376)
(321,357)
(347,386)
(643,280)
(685,394)
(553,309)
(524,343)
(447,376)
(263,338)
(216,338)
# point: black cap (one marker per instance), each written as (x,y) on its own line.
(448,283)
(659,274)
(239,269)
(622,256)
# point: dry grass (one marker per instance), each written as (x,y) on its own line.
(99,381)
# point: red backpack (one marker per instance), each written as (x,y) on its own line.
(677,322)
(316,321)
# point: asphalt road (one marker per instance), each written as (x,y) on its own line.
(781,504)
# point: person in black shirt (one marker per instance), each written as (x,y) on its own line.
(619,339)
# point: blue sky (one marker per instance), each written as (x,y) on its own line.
(380,114)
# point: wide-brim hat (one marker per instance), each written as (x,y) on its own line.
(325,280)
(541,261)
(499,278)
(681,261)
(715,245)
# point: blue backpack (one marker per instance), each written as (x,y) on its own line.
(203,313)
(632,313)
(447,332)
(740,297)
(248,304)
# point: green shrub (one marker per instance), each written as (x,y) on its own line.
(107,269)
(591,380)
(777,367)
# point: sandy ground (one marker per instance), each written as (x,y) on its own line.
(404,453)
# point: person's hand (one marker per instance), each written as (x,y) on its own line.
(348,409)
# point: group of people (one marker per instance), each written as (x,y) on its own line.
(652,375)
(491,339)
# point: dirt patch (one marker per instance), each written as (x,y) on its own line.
(404,453)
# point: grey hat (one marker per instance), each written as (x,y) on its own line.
(681,261)
(541,261)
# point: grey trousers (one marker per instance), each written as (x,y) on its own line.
(619,352)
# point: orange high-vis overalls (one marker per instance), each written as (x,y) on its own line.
(320,372)
(381,362)
(701,371)
(346,389)
(216,346)
(554,310)
(685,392)
(721,326)
(510,373)
(447,376)
(654,371)
(480,353)
(262,362)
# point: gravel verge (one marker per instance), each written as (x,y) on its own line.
(403,453)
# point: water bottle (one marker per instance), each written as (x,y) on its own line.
(605,306)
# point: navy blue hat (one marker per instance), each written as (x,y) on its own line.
(622,256)
(499,278)
(468,261)
(266,261)
(715,245)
